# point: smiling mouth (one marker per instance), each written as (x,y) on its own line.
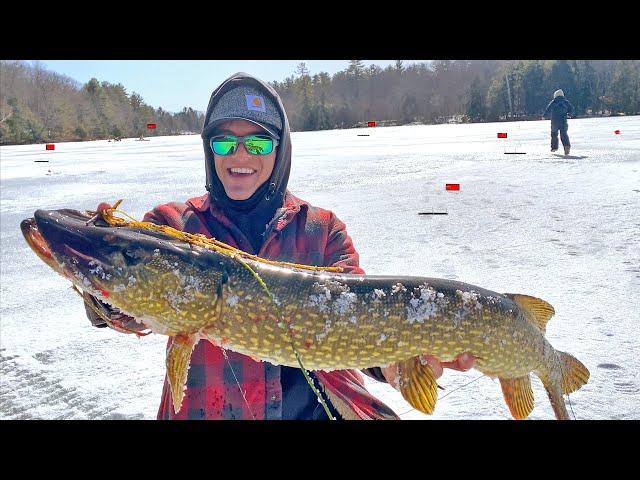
(241,171)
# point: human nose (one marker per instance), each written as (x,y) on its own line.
(241,150)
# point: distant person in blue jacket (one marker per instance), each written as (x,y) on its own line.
(559,108)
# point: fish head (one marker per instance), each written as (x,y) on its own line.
(85,252)
(106,260)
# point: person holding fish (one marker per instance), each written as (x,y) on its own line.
(247,146)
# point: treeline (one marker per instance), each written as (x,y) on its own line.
(456,91)
(37,105)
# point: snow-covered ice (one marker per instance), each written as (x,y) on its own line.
(565,229)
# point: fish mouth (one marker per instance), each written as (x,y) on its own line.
(71,232)
(65,232)
(38,244)
(71,246)
(43,249)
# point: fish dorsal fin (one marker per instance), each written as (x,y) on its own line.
(518,395)
(538,311)
(418,385)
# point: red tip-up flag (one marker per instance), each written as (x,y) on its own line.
(452,186)
(371,124)
(50,146)
(151,125)
(502,134)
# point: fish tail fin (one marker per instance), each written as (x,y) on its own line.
(574,373)
(417,383)
(566,375)
(178,359)
(518,395)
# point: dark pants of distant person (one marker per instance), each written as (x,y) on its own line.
(564,136)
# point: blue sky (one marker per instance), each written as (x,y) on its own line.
(174,84)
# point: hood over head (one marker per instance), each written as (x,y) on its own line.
(243,96)
(558,93)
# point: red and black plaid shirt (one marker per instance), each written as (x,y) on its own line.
(302,234)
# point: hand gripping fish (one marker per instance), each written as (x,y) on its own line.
(281,314)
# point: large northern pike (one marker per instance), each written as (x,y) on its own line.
(333,321)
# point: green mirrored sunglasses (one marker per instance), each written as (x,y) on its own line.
(254,144)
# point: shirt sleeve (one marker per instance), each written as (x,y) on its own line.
(169,214)
(153,217)
(340,251)
(569,107)
(375,373)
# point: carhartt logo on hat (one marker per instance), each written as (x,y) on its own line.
(255,103)
(247,103)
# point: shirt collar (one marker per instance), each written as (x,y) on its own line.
(292,205)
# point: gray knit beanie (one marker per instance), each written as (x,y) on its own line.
(246,103)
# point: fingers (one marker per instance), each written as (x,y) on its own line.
(434,363)
(463,362)
(466,361)
(117,319)
(93,317)
(390,372)
(130,323)
(103,206)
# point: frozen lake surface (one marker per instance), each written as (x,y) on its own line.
(562,228)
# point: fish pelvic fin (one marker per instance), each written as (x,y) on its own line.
(574,373)
(418,385)
(535,309)
(518,394)
(178,359)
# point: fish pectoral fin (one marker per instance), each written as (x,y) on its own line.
(574,373)
(178,359)
(537,310)
(418,385)
(518,395)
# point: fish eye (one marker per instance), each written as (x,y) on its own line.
(132,256)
